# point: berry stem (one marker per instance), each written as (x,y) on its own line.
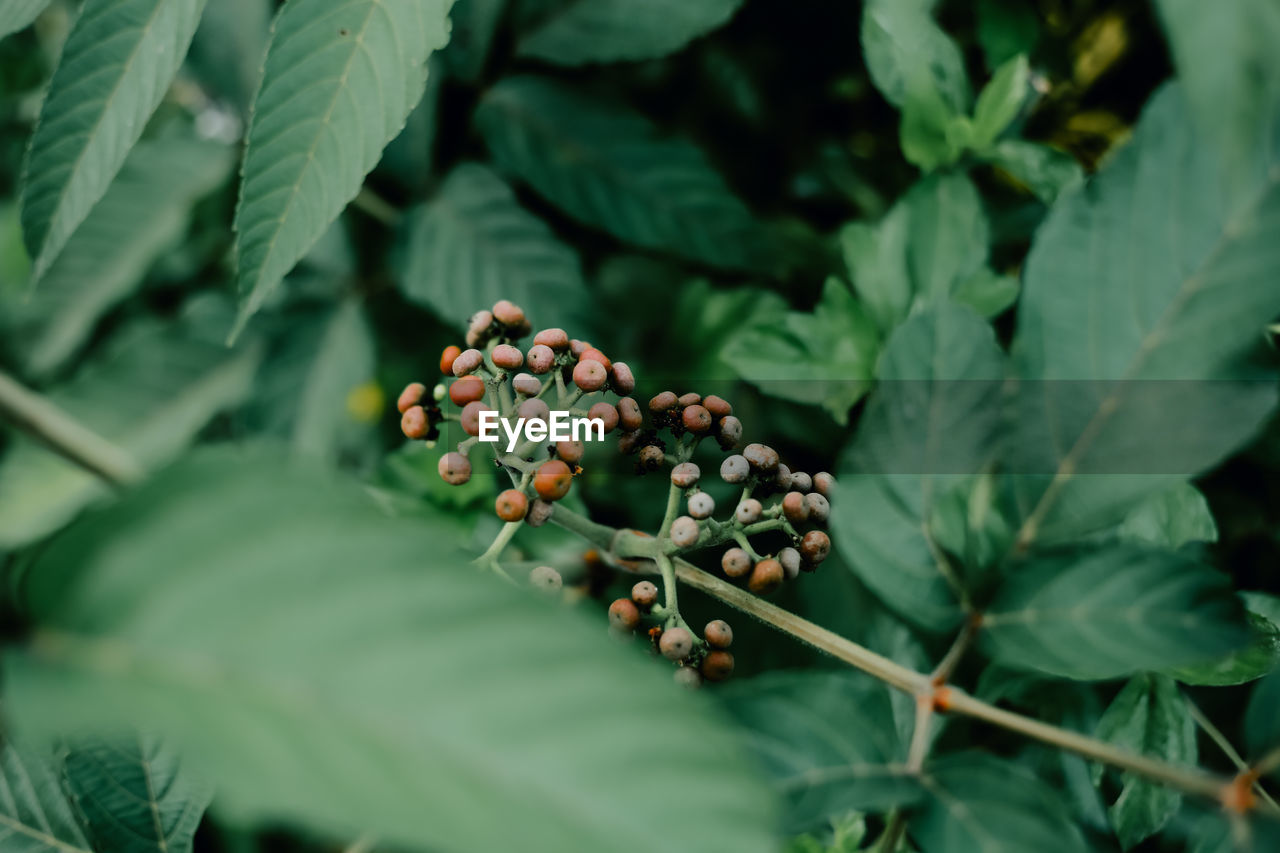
(490,557)
(1216,735)
(745,544)
(664,561)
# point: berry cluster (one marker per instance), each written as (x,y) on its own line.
(493,374)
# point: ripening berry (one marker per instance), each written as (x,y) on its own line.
(414,422)
(736,562)
(790,560)
(541,358)
(447,358)
(590,375)
(624,615)
(578,347)
(734,469)
(511,505)
(718,406)
(410,396)
(556,339)
(762,457)
(553,480)
(652,457)
(766,577)
(819,507)
(701,505)
(621,378)
(696,419)
(607,414)
(748,512)
(644,594)
(718,634)
(546,579)
(801,482)
(822,483)
(728,432)
(526,385)
(782,477)
(470,417)
(534,410)
(454,469)
(467,361)
(570,451)
(794,508)
(662,402)
(717,666)
(468,389)
(593,354)
(478,328)
(629,415)
(539,512)
(815,546)
(684,531)
(507,357)
(508,313)
(687,676)
(689,399)
(629,441)
(676,643)
(685,475)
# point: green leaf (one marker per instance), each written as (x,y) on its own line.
(135,795)
(949,234)
(928,427)
(1150,717)
(900,37)
(932,134)
(610,168)
(325,664)
(1110,611)
(586,31)
(35,814)
(981,804)
(876,259)
(473,244)
(1221,833)
(1171,518)
(1005,29)
(1000,101)
(987,292)
(826,357)
(151,393)
(144,213)
(1046,172)
(828,742)
(343,360)
(1260,657)
(474,24)
(115,69)
(18,14)
(229,47)
(1141,279)
(1261,722)
(341,77)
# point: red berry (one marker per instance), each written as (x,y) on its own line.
(690,399)
(541,358)
(629,414)
(718,634)
(645,594)
(815,546)
(526,385)
(795,508)
(410,396)
(736,562)
(578,347)
(508,313)
(556,339)
(570,451)
(467,361)
(511,505)
(470,417)
(822,483)
(447,357)
(454,469)
(414,422)
(676,643)
(590,375)
(717,666)
(624,615)
(553,480)
(696,419)
(468,389)
(718,406)
(662,402)
(621,378)
(729,432)
(593,354)
(766,577)
(507,357)
(607,413)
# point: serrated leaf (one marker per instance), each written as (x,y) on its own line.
(1150,717)
(35,814)
(827,740)
(1143,278)
(330,665)
(473,244)
(115,68)
(1109,611)
(150,394)
(19,14)
(135,795)
(1046,172)
(900,37)
(981,804)
(341,77)
(609,168)
(928,428)
(1000,100)
(146,210)
(586,31)
(1262,718)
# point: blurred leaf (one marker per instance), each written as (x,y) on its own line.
(1046,172)
(18,14)
(1149,717)
(899,37)
(1000,101)
(1171,518)
(987,292)
(826,357)
(229,47)
(982,804)
(1219,833)
(928,427)
(827,740)
(151,393)
(1259,657)
(1262,722)
(115,69)
(876,259)
(341,77)
(587,31)
(1144,277)
(410,157)
(932,133)
(342,361)
(1109,611)
(473,244)
(949,234)
(135,796)
(609,168)
(330,665)
(474,24)
(35,814)
(1005,29)
(144,213)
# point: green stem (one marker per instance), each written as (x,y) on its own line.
(891,838)
(490,556)
(1216,735)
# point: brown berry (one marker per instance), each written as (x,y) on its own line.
(593,354)
(652,457)
(590,375)
(676,643)
(761,457)
(507,357)
(539,512)
(454,469)
(801,482)
(696,419)
(468,389)
(447,358)
(470,417)
(690,399)
(685,475)
(822,483)
(526,385)
(718,406)
(629,441)
(508,313)
(718,634)
(541,358)
(766,577)
(717,666)
(630,417)
(414,422)
(736,562)
(570,451)
(511,505)
(578,347)
(795,508)
(607,413)
(467,361)
(815,546)
(728,432)
(621,378)
(556,339)
(644,594)
(410,396)
(662,402)
(819,507)
(624,615)
(553,480)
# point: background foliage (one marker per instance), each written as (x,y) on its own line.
(1006,268)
